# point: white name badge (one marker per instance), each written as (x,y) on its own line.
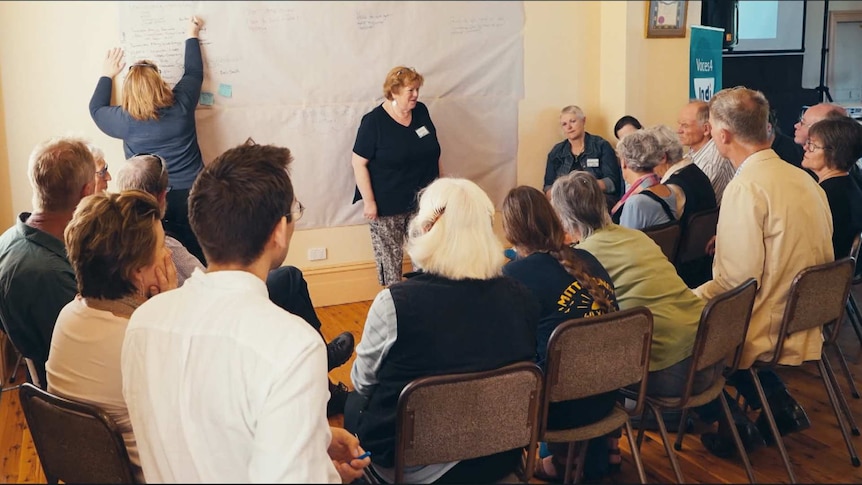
(592,162)
(422,131)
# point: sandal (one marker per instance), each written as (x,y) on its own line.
(542,466)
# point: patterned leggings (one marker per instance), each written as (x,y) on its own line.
(388,235)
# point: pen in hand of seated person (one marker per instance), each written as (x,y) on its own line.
(361,457)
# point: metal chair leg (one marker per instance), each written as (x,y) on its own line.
(680,434)
(582,458)
(570,459)
(772,426)
(736,439)
(671,455)
(14,375)
(641,427)
(825,369)
(636,454)
(847,374)
(842,401)
(855,316)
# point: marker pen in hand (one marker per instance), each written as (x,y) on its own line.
(361,457)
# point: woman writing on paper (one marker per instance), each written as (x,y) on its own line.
(396,154)
(155,119)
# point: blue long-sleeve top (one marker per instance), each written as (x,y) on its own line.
(173,136)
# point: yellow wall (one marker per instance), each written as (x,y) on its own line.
(593,54)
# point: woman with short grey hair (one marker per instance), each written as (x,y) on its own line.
(647,202)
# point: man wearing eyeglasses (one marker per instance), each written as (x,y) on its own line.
(813,115)
(102,175)
(231,385)
(36,279)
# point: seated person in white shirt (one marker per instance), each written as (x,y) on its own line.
(222,385)
(286,285)
(116,245)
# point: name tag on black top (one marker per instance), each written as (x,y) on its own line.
(422,131)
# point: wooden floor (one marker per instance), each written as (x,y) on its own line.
(818,454)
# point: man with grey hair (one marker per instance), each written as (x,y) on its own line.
(694,131)
(36,279)
(148,173)
(774,222)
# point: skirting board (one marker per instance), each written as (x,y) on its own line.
(347,283)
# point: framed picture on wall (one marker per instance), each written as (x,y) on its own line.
(666,18)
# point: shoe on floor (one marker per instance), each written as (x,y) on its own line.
(337,399)
(721,443)
(339,350)
(789,416)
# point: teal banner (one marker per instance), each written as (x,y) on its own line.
(704,72)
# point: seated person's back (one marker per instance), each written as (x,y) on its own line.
(459,315)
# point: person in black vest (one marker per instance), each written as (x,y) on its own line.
(460,314)
(396,154)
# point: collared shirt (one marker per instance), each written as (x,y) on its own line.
(224,386)
(716,167)
(36,282)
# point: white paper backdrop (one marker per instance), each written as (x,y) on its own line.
(302,74)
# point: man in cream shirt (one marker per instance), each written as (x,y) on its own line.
(222,385)
(774,222)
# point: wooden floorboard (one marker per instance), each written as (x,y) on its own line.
(819,454)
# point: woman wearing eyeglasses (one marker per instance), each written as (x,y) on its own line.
(153,118)
(396,154)
(833,146)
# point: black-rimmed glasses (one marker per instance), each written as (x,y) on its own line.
(811,147)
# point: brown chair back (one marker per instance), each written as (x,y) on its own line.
(462,416)
(817,297)
(699,229)
(721,333)
(666,236)
(76,442)
(854,253)
(594,355)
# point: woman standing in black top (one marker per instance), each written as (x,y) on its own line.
(396,154)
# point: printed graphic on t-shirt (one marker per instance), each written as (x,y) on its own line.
(577,297)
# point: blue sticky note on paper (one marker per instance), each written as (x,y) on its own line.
(207,99)
(225,90)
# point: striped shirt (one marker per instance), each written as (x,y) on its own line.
(717,168)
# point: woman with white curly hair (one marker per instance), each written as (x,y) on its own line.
(459,314)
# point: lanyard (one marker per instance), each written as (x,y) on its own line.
(631,191)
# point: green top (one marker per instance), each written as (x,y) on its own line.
(643,276)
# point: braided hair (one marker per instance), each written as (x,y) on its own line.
(532,225)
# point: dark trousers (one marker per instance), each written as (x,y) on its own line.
(289,290)
(176,222)
(743,382)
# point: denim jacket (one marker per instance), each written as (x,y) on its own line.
(598,158)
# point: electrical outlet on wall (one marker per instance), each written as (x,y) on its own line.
(316,254)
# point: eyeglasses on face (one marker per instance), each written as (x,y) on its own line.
(296,211)
(162,162)
(811,146)
(103,172)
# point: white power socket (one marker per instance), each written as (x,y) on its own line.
(316,254)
